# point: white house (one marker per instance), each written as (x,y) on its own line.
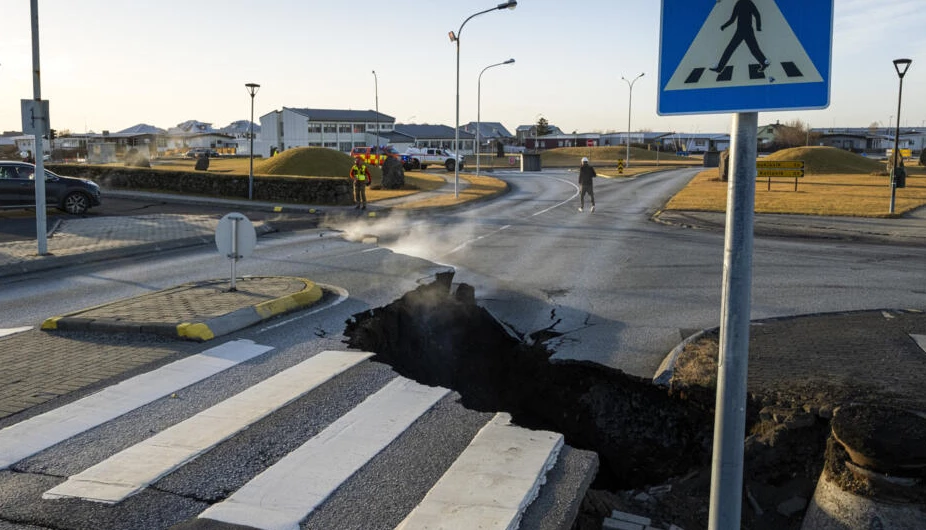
(335,129)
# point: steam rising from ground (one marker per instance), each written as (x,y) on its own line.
(426,238)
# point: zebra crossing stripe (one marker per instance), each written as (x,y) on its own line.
(492,482)
(285,493)
(12,331)
(133,469)
(38,433)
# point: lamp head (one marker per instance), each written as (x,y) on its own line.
(453,37)
(252,88)
(901,66)
(509,61)
(510,5)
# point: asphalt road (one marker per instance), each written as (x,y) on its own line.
(619,289)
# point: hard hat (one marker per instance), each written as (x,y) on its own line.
(584,160)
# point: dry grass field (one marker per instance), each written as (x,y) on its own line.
(836,183)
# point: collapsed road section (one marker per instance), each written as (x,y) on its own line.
(653,443)
(642,435)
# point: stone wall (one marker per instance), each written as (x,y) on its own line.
(330,191)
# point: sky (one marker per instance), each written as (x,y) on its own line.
(108,65)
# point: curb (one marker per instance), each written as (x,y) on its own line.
(667,367)
(197,331)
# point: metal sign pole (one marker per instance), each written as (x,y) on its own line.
(234,251)
(730,409)
(39,154)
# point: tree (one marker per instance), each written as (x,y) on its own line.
(793,134)
(543,126)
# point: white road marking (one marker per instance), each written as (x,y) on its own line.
(12,331)
(466,243)
(920,341)
(38,433)
(285,493)
(492,482)
(133,469)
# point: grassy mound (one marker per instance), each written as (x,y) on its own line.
(828,160)
(308,162)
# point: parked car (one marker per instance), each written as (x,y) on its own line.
(70,194)
(197,152)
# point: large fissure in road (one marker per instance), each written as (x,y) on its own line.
(653,443)
(641,434)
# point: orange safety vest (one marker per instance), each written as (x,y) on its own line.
(360,173)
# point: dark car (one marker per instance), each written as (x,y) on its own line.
(17,189)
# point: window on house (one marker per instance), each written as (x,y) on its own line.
(344,128)
(344,146)
(358,128)
(331,128)
(331,145)
(315,128)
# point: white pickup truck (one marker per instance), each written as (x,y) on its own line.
(421,157)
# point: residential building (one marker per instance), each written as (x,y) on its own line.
(491,133)
(529,132)
(872,140)
(441,136)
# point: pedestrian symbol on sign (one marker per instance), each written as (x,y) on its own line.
(717,59)
(743,13)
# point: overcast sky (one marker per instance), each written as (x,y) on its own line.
(111,65)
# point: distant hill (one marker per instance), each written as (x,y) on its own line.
(828,160)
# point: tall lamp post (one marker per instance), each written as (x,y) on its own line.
(479,107)
(252,90)
(376,87)
(455,37)
(629,106)
(901,66)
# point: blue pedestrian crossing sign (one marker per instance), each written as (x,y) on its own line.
(744,55)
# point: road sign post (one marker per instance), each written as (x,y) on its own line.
(235,238)
(780,168)
(741,56)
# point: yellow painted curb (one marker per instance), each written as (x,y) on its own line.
(311,294)
(198,331)
(51,323)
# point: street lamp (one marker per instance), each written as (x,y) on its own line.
(455,37)
(901,66)
(629,106)
(376,86)
(252,89)
(479,107)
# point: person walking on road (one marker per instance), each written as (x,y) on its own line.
(586,175)
(361,178)
(743,13)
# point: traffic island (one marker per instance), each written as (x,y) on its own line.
(197,311)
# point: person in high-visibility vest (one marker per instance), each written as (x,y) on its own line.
(361,178)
